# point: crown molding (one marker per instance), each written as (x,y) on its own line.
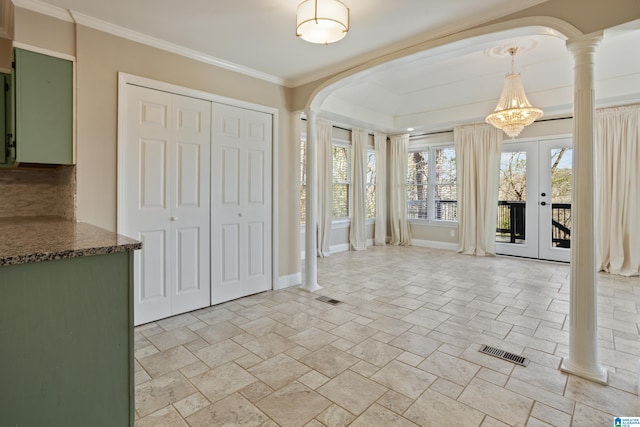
(107,27)
(44,9)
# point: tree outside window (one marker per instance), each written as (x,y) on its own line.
(370,196)
(445,192)
(417,184)
(431,184)
(341,182)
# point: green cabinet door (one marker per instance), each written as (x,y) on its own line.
(44,108)
(66,343)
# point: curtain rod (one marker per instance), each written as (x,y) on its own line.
(442,131)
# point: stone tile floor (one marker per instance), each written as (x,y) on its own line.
(400,350)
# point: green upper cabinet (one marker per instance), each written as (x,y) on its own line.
(43,108)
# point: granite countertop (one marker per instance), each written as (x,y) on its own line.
(33,239)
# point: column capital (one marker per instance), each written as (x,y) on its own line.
(309,113)
(584,44)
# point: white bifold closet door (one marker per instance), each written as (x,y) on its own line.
(240,202)
(166,201)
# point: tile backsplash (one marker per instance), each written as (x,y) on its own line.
(38,191)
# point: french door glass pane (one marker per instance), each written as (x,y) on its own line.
(561,161)
(512,197)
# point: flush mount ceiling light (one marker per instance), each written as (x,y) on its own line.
(322,21)
(513,111)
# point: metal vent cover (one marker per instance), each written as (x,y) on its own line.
(504,355)
(329,300)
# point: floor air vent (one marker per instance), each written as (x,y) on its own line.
(329,300)
(504,355)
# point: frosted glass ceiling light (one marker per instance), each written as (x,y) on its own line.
(513,111)
(322,21)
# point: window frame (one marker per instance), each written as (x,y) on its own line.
(431,183)
(335,142)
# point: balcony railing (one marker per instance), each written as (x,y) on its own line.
(446,210)
(511,219)
(561,225)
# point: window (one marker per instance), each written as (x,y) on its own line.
(341,181)
(417,184)
(431,184)
(370,195)
(445,194)
(303,180)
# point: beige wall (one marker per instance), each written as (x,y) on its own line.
(99,58)
(44,32)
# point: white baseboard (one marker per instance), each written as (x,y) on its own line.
(344,247)
(435,244)
(288,281)
(339,248)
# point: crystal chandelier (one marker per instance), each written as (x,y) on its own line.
(513,111)
(322,21)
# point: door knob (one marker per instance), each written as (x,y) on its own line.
(543,203)
(240,214)
(543,194)
(173,218)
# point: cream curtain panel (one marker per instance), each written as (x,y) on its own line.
(380,228)
(357,230)
(325,187)
(477,168)
(618,190)
(400,230)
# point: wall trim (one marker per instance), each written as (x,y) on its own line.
(44,51)
(344,247)
(433,244)
(288,281)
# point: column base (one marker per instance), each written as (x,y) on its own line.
(312,287)
(597,375)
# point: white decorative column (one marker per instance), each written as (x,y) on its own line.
(311,207)
(583,310)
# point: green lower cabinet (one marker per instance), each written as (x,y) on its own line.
(66,342)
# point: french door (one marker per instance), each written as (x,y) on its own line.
(534,200)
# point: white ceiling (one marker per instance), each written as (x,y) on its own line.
(424,91)
(436,92)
